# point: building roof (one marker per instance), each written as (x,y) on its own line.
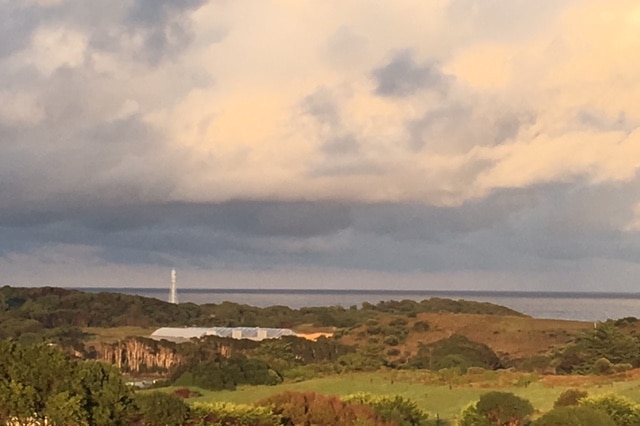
(181,334)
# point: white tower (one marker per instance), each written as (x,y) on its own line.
(173,293)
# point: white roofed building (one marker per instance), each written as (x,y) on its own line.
(184,334)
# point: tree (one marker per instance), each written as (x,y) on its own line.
(455,351)
(620,409)
(498,408)
(575,416)
(604,342)
(161,409)
(105,398)
(38,382)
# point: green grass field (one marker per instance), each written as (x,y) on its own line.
(439,399)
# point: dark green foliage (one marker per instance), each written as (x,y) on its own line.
(605,341)
(537,363)
(602,366)
(227,373)
(368,358)
(291,351)
(570,397)
(421,326)
(39,381)
(222,414)
(498,408)
(391,340)
(575,416)
(626,321)
(309,408)
(455,352)
(622,410)
(435,304)
(161,409)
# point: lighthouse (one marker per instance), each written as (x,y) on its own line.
(173,293)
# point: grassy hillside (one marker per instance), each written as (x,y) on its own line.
(509,336)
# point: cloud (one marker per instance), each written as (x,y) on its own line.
(402,76)
(448,137)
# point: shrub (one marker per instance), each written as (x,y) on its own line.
(401,411)
(455,352)
(309,408)
(227,373)
(570,397)
(374,329)
(620,368)
(602,366)
(393,352)
(161,409)
(398,322)
(186,393)
(498,408)
(620,409)
(421,326)
(391,340)
(222,414)
(538,363)
(575,416)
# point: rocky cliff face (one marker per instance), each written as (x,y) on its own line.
(137,355)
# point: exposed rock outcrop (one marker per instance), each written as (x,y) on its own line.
(139,355)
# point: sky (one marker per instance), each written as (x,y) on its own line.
(362,144)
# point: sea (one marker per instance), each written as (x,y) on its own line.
(553,305)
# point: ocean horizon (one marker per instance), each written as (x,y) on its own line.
(581,306)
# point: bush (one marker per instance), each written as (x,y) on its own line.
(185,393)
(223,414)
(309,408)
(570,397)
(602,366)
(391,340)
(396,409)
(421,326)
(393,352)
(498,408)
(575,416)
(455,352)
(620,409)
(620,368)
(398,322)
(227,373)
(538,364)
(161,409)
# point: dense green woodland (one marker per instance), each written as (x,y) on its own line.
(29,310)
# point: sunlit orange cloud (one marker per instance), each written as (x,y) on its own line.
(248,136)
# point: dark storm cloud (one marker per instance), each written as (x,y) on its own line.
(404,76)
(518,229)
(248,232)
